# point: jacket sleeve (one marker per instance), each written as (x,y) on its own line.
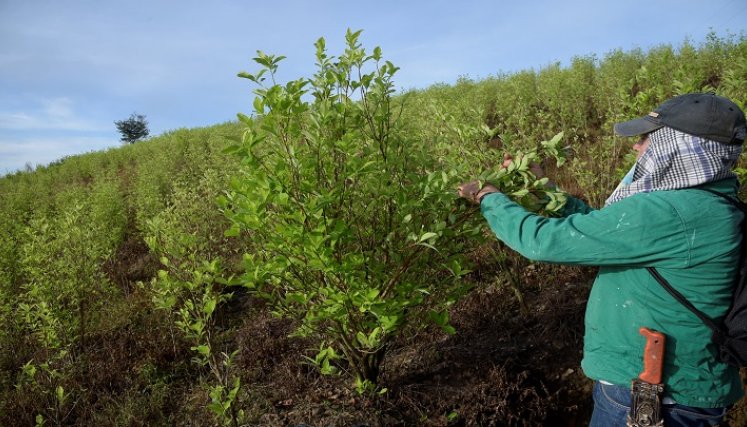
(574,205)
(636,231)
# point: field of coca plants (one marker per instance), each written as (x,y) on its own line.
(311,264)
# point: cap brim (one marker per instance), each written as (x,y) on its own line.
(637,127)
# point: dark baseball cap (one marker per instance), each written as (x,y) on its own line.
(706,115)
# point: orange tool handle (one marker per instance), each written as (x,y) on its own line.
(653,356)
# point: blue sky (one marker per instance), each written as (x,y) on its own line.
(70,68)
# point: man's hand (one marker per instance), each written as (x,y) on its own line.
(472,191)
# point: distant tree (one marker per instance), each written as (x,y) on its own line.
(133,129)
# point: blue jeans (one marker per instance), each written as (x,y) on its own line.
(612,403)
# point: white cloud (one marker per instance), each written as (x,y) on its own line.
(50,114)
(17,152)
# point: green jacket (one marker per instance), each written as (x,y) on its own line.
(691,236)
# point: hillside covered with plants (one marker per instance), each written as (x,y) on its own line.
(310,263)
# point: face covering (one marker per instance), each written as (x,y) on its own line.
(675,160)
(627,179)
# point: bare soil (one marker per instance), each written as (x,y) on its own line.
(514,361)
(509,364)
(506,365)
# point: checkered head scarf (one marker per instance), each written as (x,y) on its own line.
(676,160)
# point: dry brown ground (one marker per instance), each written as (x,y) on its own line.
(509,364)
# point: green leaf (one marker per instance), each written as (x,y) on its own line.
(245,119)
(259,106)
(209,306)
(556,139)
(29,369)
(233,231)
(362,339)
(202,349)
(389,323)
(372,294)
(427,246)
(427,236)
(441,318)
(374,337)
(295,297)
(235,389)
(197,326)
(216,408)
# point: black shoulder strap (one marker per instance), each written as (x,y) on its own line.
(684,301)
(734,201)
(681,298)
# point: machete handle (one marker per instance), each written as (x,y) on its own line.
(653,356)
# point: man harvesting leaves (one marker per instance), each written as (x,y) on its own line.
(661,216)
